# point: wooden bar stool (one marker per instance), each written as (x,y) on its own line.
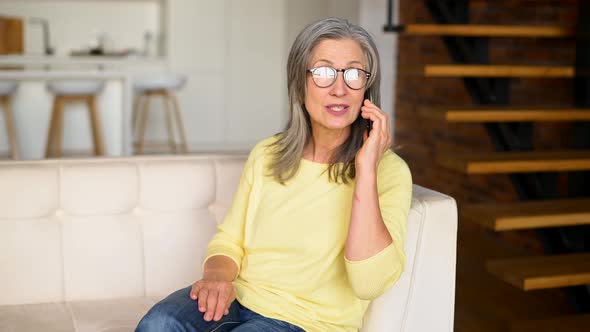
(162,86)
(7,89)
(68,91)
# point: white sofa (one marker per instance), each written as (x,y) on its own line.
(90,245)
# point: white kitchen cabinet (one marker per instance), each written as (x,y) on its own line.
(234,53)
(258,104)
(75,25)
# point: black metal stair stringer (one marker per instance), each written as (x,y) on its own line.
(518,136)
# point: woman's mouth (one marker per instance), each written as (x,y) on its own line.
(337,109)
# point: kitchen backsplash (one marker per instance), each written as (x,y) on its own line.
(112,27)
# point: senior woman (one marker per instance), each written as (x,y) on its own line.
(317,226)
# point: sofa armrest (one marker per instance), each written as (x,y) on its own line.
(423,298)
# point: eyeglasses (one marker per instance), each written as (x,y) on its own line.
(325,76)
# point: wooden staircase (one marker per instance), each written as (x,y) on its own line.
(527,273)
(543,272)
(528,214)
(516,161)
(499,71)
(470,30)
(484,114)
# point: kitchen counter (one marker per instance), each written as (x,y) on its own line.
(97,60)
(33,102)
(57,74)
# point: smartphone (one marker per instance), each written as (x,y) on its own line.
(369,123)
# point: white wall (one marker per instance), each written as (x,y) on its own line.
(373,16)
(302,12)
(73,24)
(234,53)
(348,9)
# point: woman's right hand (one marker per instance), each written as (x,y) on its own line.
(215,295)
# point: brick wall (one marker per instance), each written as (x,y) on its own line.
(418,140)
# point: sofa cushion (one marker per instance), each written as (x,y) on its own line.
(101,229)
(90,245)
(119,315)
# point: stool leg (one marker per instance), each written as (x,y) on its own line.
(135,113)
(59,127)
(183,146)
(52,133)
(169,126)
(143,117)
(96,127)
(10,127)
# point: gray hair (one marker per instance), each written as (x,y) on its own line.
(288,148)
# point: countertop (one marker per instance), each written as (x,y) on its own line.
(57,74)
(78,60)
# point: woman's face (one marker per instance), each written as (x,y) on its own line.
(335,107)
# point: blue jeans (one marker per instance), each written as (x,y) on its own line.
(178,312)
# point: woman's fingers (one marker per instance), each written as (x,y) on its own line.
(213,298)
(202,299)
(194,290)
(372,108)
(231,298)
(376,116)
(378,113)
(380,120)
(221,304)
(211,303)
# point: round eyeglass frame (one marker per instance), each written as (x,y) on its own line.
(341,70)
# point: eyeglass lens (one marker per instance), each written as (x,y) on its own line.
(325,76)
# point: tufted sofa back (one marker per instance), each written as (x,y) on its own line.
(78,230)
(100,229)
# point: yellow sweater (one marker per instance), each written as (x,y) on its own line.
(288,242)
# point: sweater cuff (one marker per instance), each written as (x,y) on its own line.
(236,258)
(371,277)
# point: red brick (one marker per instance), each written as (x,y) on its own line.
(421,140)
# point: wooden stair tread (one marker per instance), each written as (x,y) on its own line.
(530,214)
(499,71)
(471,30)
(478,293)
(516,161)
(569,323)
(542,272)
(500,114)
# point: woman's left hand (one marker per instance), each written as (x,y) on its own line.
(376,142)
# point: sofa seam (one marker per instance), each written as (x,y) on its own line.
(453,282)
(60,224)
(71,312)
(415,264)
(141,225)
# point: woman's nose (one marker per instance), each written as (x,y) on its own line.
(339,87)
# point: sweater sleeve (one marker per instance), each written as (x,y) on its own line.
(229,239)
(371,277)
